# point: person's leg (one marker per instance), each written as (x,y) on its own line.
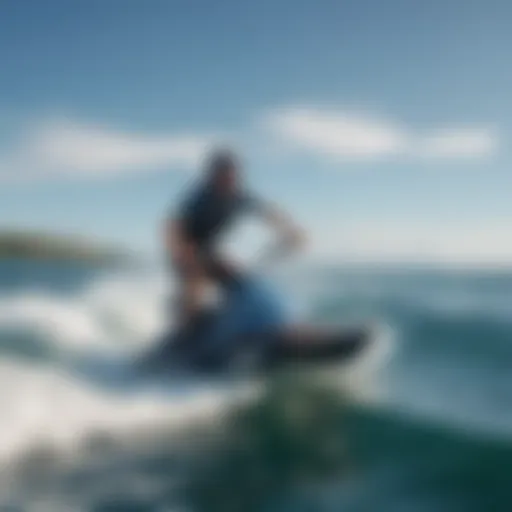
(220,271)
(189,287)
(189,294)
(191,290)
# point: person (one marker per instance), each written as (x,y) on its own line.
(193,231)
(252,317)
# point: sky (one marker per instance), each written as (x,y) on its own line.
(382,126)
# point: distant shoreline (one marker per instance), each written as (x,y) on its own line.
(35,246)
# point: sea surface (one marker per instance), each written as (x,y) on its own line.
(422,425)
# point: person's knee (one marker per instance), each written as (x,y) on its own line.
(193,287)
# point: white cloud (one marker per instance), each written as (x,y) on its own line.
(337,134)
(66,147)
(461,142)
(343,135)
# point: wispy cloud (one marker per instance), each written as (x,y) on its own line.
(67,147)
(344,135)
(465,142)
(336,133)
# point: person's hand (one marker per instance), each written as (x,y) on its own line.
(186,253)
(294,239)
(286,243)
(185,256)
(291,237)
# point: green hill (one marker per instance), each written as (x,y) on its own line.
(46,246)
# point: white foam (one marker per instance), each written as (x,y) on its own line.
(362,377)
(117,313)
(42,406)
(42,403)
(52,318)
(134,305)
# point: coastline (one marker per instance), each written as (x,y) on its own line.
(42,246)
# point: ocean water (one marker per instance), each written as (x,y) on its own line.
(424,425)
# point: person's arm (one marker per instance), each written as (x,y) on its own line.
(287,229)
(182,253)
(177,246)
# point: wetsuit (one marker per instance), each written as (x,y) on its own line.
(205,216)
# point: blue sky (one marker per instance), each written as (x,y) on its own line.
(382,125)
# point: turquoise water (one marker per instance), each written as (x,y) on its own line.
(436,436)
